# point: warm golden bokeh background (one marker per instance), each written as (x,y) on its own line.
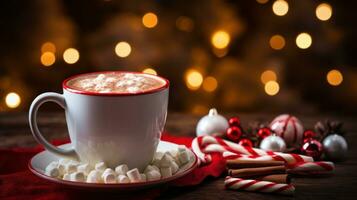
(239,56)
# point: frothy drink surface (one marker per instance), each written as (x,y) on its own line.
(115,83)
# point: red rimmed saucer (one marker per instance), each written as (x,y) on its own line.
(39,162)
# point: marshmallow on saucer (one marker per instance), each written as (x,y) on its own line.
(94,176)
(165,172)
(121,169)
(77,176)
(183,157)
(52,169)
(109,176)
(134,175)
(85,168)
(153,175)
(71,167)
(151,168)
(174,167)
(101,166)
(66,177)
(123,179)
(142,177)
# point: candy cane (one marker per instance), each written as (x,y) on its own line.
(258,186)
(312,168)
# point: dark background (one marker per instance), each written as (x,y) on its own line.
(94,28)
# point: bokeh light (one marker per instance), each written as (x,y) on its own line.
(71,55)
(123,49)
(280,7)
(271,88)
(184,24)
(12,100)
(150,20)
(303,40)
(277,42)
(220,39)
(267,76)
(262,1)
(323,12)
(193,79)
(48,59)
(48,47)
(334,77)
(210,84)
(150,71)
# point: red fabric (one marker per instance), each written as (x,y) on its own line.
(17,182)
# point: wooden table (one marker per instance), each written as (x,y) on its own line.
(14,131)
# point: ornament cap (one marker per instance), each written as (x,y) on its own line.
(212,112)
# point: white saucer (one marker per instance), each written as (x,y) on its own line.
(39,162)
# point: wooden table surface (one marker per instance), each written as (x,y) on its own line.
(14,131)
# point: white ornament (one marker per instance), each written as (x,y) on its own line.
(273,143)
(289,128)
(212,124)
(335,147)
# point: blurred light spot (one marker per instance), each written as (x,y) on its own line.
(123,49)
(262,1)
(71,55)
(323,12)
(12,100)
(210,84)
(271,88)
(150,71)
(334,77)
(199,109)
(220,39)
(220,52)
(193,79)
(277,42)
(48,59)
(267,76)
(280,7)
(150,20)
(48,46)
(184,24)
(303,40)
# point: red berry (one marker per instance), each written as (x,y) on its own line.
(246,142)
(312,148)
(309,134)
(264,132)
(234,133)
(234,121)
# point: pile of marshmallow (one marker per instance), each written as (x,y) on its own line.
(163,165)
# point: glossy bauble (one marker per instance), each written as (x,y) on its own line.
(289,128)
(212,124)
(273,143)
(335,147)
(312,148)
(234,121)
(234,133)
(263,133)
(309,134)
(245,142)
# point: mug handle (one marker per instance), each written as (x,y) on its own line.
(35,105)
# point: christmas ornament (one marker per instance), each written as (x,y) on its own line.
(212,124)
(234,133)
(273,143)
(245,142)
(309,134)
(289,128)
(234,121)
(312,148)
(335,147)
(264,132)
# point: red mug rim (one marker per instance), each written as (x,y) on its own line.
(73,90)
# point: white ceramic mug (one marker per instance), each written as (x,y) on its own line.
(111,127)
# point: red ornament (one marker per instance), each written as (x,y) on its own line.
(234,121)
(246,142)
(312,148)
(264,132)
(234,133)
(309,134)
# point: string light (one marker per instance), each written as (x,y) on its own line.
(12,100)
(193,79)
(71,55)
(262,1)
(48,46)
(323,12)
(303,40)
(220,39)
(210,84)
(184,24)
(48,59)
(271,88)
(150,71)
(267,76)
(277,42)
(334,77)
(280,7)
(150,20)
(123,49)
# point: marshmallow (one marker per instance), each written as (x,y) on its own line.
(151,168)
(165,172)
(123,179)
(66,177)
(153,175)
(165,160)
(71,167)
(121,169)
(109,177)
(77,176)
(174,167)
(61,168)
(94,177)
(85,168)
(109,171)
(101,166)
(181,148)
(173,153)
(134,175)
(52,170)
(183,157)
(142,177)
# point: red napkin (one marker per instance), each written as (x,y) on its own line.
(17,182)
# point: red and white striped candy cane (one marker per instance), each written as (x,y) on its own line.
(321,167)
(258,186)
